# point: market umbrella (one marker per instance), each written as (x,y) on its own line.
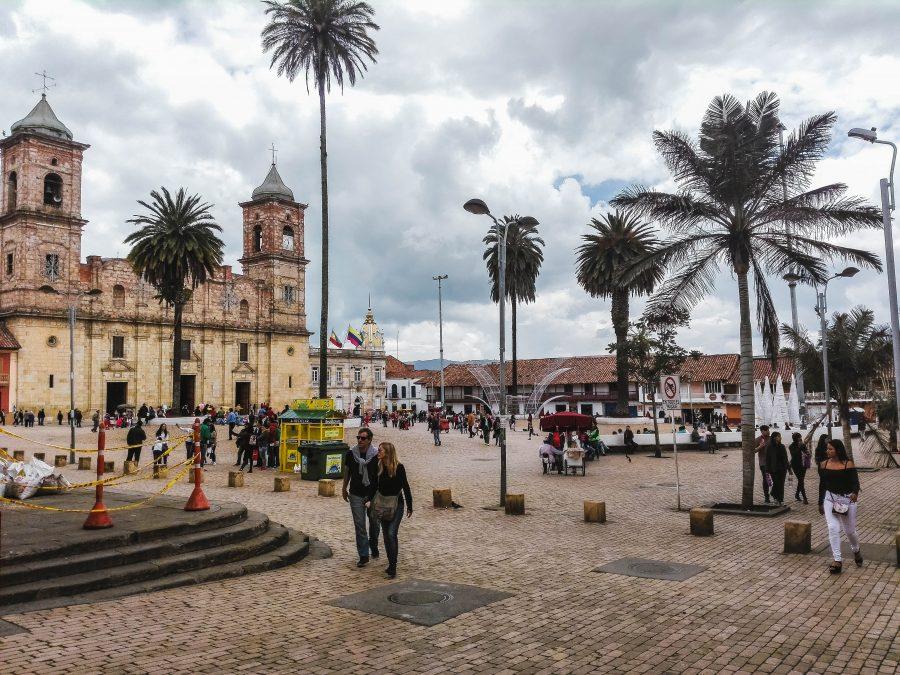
(567,421)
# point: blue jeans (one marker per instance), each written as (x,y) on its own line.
(437,435)
(361,517)
(391,545)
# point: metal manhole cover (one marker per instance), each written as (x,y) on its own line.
(419,598)
(651,568)
(667,485)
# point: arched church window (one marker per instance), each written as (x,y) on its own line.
(257,239)
(12,190)
(244,311)
(287,238)
(118,295)
(53,190)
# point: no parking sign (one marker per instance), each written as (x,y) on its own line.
(670,387)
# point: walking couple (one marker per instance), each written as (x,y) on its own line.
(376,486)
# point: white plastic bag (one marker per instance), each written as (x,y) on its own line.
(27,478)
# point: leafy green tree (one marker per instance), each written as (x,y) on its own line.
(650,352)
(523,264)
(729,214)
(175,250)
(328,41)
(615,242)
(855,357)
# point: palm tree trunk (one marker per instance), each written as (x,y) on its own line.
(844,412)
(323,322)
(515,370)
(176,359)
(748,414)
(619,315)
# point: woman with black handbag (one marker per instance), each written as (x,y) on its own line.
(388,502)
(838,492)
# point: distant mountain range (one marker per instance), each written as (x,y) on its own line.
(435,364)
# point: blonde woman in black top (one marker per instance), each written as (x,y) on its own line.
(838,494)
(392,489)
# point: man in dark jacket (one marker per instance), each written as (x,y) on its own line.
(135,438)
(777,465)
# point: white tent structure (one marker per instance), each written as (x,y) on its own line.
(766,417)
(779,405)
(794,403)
(758,402)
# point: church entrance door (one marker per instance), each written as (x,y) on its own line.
(116,395)
(242,396)
(188,388)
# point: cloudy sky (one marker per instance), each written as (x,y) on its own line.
(539,107)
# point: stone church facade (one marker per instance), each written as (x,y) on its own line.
(245,338)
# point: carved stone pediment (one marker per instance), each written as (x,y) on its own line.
(243,369)
(116,366)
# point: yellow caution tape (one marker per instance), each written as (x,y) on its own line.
(116,479)
(176,441)
(135,505)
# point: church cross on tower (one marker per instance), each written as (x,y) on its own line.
(44,86)
(274,153)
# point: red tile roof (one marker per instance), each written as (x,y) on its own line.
(710,367)
(7,340)
(762,367)
(396,369)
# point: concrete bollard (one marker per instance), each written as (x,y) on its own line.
(235,479)
(282,483)
(442,498)
(326,487)
(160,471)
(797,536)
(515,505)
(109,467)
(19,455)
(39,455)
(84,463)
(594,512)
(190,475)
(60,460)
(701,522)
(131,468)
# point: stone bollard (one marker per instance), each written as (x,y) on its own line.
(515,505)
(190,475)
(84,463)
(594,512)
(797,536)
(19,455)
(701,522)
(39,455)
(282,483)
(442,498)
(60,460)
(131,468)
(109,467)
(160,471)
(235,479)
(326,487)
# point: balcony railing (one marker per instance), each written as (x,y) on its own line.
(857,395)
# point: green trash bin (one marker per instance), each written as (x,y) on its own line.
(322,459)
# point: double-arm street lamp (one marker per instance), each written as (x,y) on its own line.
(478,207)
(888,204)
(75,296)
(822,311)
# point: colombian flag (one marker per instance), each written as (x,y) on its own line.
(354,337)
(334,340)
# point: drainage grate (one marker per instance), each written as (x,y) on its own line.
(419,598)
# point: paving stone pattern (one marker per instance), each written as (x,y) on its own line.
(753,609)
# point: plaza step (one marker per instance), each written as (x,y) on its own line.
(69,566)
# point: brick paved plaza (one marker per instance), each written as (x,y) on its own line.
(753,609)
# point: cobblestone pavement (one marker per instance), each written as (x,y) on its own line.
(754,609)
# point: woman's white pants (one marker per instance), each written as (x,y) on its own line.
(836,523)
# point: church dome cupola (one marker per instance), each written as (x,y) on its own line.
(273,186)
(43,121)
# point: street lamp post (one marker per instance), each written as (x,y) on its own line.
(888,204)
(71,316)
(792,285)
(822,311)
(478,207)
(439,278)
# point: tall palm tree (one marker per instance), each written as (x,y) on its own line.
(855,357)
(523,264)
(326,40)
(730,213)
(175,250)
(615,242)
